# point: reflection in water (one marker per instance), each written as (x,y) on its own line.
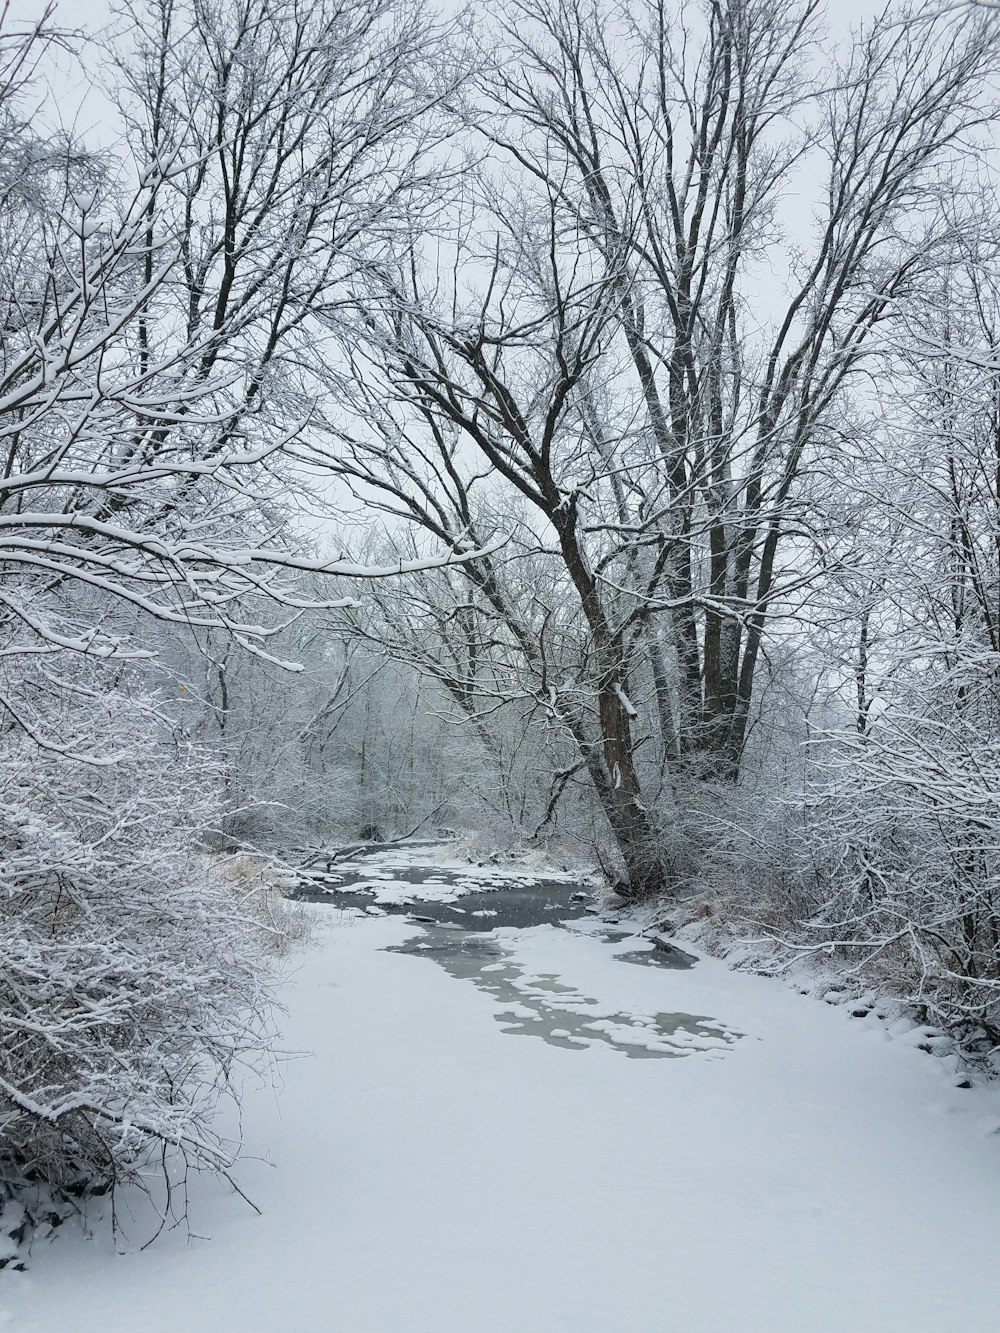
(678,960)
(540,1005)
(657,952)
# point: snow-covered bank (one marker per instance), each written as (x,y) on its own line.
(430,1173)
(832,976)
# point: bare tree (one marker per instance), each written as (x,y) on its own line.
(507,393)
(153,317)
(592,344)
(672,134)
(891,865)
(149,396)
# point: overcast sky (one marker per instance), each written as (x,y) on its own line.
(84,108)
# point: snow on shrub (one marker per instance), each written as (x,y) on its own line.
(903,866)
(132,982)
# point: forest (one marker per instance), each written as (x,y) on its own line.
(567,425)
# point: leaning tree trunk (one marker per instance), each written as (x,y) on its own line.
(611,762)
(612,767)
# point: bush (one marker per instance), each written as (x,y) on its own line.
(904,866)
(132,982)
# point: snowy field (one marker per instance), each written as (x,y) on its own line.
(773,1166)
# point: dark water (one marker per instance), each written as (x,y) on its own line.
(503,900)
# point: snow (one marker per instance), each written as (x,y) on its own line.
(425,1172)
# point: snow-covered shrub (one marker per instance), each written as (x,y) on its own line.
(902,872)
(738,845)
(132,981)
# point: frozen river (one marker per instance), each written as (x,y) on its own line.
(463,1142)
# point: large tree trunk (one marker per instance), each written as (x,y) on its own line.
(612,768)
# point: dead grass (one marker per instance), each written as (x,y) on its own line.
(260,887)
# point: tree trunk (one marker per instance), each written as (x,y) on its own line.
(639,844)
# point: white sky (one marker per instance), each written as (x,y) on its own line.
(81,105)
(92,14)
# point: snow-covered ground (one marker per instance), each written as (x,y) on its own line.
(426,1171)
